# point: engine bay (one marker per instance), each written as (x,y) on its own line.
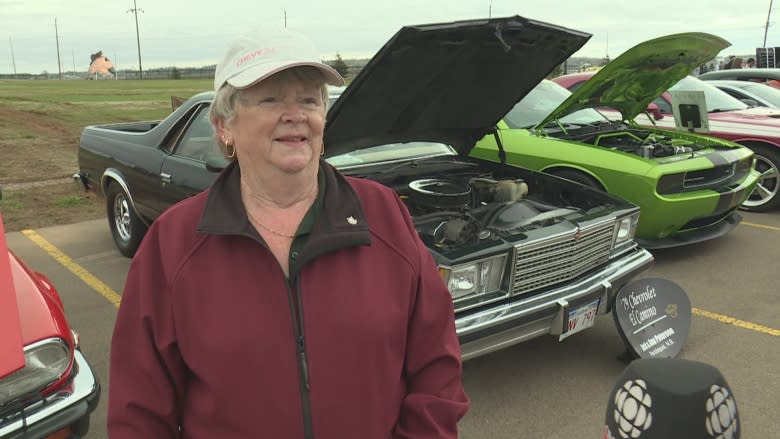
(466,207)
(458,202)
(644,143)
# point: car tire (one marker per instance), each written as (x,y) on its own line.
(766,195)
(578,177)
(127,229)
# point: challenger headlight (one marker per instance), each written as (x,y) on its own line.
(478,277)
(625,229)
(44,363)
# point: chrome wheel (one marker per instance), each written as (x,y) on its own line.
(765,195)
(122,217)
(126,226)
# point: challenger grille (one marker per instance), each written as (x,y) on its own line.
(552,261)
(707,178)
(720,176)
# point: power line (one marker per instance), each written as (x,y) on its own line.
(766,28)
(135,10)
(13,58)
(57,37)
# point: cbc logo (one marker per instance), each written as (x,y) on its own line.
(721,419)
(632,409)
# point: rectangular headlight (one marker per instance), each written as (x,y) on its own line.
(625,229)
(44,363)
(478,277)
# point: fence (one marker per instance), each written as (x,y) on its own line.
(166,73)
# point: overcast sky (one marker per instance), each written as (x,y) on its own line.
(190,33)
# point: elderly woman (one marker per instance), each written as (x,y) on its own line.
(287,301)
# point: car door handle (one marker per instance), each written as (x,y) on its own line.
(165,177)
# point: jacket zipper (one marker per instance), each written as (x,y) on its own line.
(296,312)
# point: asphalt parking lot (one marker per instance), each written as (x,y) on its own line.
(541,388)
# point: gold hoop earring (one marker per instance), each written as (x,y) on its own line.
(228,147)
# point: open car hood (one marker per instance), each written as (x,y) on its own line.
(448,82)
(630,82)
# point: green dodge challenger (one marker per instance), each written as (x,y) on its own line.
(687,185)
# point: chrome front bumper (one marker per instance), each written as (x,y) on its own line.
(60,409)
(511,323)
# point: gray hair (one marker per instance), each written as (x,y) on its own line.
(223,107)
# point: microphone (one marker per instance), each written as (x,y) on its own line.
(669,398)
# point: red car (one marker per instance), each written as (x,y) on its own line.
(757,128)
(47,388)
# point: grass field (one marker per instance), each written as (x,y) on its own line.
(40,126)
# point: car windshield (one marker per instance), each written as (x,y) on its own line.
(541,101)
(717,99)
(392,152)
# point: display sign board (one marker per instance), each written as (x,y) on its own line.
(11,347)
(653,316)
(690,111)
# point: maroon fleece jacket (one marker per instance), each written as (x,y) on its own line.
(206,343)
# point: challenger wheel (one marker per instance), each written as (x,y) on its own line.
(766,195)
(127,228)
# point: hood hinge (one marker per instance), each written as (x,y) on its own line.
(501,152)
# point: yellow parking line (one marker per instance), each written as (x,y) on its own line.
(736,322)
(110,295)
(96,284)
(762,226)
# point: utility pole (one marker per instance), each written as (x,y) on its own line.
(285,18)
(490,10)
(13,59)
(57,37)
(137,38)
(766,28)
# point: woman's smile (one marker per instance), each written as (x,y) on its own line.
(292,140)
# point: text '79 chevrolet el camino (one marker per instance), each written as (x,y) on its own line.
(523,253)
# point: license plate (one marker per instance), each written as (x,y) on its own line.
(580,319)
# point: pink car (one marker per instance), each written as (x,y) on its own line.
(756,128)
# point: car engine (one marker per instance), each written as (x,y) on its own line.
(643,143)
(457,211)
(650,146)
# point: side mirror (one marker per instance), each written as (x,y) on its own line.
(652,108)
(216,161)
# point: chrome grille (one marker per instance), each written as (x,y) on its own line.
(551,261)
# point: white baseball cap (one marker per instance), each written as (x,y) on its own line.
(255,56)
